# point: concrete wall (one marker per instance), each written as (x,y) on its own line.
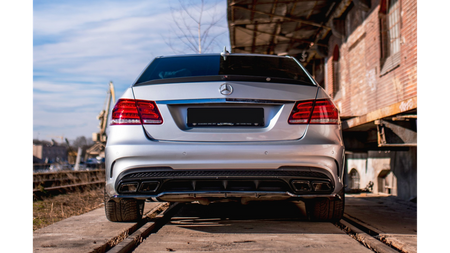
(379,163)
(392,172)
(358,162)
(404,167)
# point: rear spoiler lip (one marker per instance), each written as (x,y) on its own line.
(225,100)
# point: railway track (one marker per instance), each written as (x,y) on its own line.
(227,227)
(258,226)
(66,181)
(365,235)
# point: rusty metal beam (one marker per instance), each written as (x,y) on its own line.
(255,33)
(396,136)
(392,110)
(320,30)
(232,28)
(336,14)
(281,36)
(271,48)
(297,26)
(274,35)
(255,27)
(258,45)
(283,17)
(404,117)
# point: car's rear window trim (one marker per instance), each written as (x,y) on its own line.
(204,68)
(225,78)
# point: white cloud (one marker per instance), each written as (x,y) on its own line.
(68,109)
(55,18)
(79,46)
(116,47)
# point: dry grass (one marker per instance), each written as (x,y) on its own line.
(53,209)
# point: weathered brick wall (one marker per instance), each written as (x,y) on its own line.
(363,87)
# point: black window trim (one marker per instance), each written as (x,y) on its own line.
(209,78)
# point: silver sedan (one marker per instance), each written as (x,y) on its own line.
(224,127)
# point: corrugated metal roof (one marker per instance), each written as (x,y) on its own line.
(294,27)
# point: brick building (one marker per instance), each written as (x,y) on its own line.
(371,74)
(364,54)
(367,69)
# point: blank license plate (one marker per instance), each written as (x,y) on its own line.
(225,117)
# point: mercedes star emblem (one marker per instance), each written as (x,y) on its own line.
(226,89)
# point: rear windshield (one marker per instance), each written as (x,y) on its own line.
(216,68)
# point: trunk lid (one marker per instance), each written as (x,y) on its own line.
(252,102)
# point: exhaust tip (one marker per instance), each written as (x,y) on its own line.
(128,187)
(149,186)
(321,186)
(301,185)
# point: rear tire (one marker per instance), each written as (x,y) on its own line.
(324,209)
(123,209)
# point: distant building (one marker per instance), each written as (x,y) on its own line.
(49,152)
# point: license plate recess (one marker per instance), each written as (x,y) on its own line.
(248,117)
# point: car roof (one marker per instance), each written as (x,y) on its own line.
(227,54)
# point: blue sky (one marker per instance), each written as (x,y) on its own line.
(79,46)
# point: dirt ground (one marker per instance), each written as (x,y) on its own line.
(49,210)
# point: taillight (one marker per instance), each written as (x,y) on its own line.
(149,112)
(135,112)
(314,112)
(324,113)
(125,113)
(301,112)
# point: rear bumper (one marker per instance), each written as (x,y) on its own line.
(320,151)
(208,197)
(166,184)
